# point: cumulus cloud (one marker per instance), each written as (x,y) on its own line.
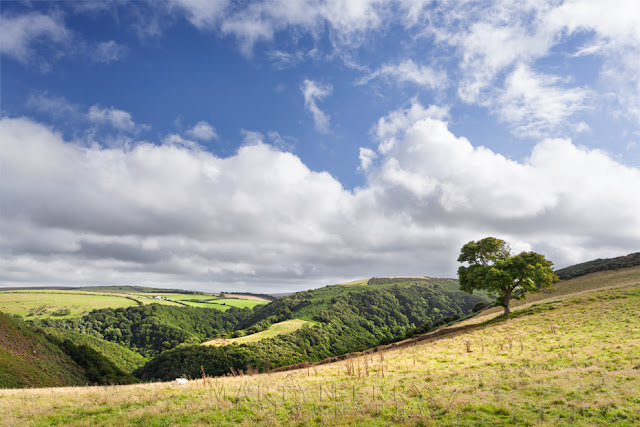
(177,216)
(392,126)
(367,156)
(19,34)
(313,92)
(408,72)
(203,131)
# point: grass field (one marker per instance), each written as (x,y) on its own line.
(63,304)
(276,329)
(574,361)
(600,280)
(356,283)
(45,304)
(210,301)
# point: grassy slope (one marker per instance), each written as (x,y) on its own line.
(600,280)
(29,360)
(571,362)
(120,356)
(285,327)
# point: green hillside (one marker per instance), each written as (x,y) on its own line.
(307,305)
(346,318)
(117,354)
(27,359)
(151,329)
(583,283)
(574,361)
(596,265)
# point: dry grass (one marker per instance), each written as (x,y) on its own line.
(571,362)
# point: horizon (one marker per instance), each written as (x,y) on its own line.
(272,147)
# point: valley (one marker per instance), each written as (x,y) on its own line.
(571,361)
(378,351)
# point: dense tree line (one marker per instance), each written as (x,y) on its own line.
(350,322)
(279,310)
(153,328)
(594,266)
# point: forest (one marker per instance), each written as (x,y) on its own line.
(353,321)
(151,329)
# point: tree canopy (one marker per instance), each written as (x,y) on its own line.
(492,267)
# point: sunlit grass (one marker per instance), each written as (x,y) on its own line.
(571,362)
(285,327)
(63,304)
(46,304)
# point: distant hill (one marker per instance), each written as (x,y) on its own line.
(596,265)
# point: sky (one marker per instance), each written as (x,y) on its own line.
(282,145)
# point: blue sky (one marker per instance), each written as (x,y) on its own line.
(282,145)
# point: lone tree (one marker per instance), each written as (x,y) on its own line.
(492,267)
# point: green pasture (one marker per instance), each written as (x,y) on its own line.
(58,304)
(569,362)
(285,327)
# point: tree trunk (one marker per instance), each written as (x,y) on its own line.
(505,302)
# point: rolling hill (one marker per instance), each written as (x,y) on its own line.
(627,261)
(345,319)
(27,359)
(574,360)
(76,302)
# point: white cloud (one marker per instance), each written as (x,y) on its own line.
(390,127)
(260,20)
(176,140)
(174,215)
(203,131)
(106,52)
(560,188)
(119,119)
(282,142)
(495,40)
(367,156)
(536,105)
(203,14)
(19,34)
(408,72)
(313,92)
(160,214)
